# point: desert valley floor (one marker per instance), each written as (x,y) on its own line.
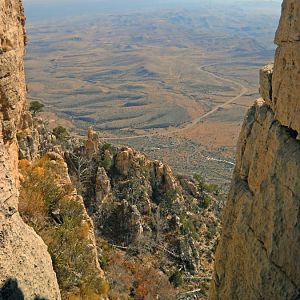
(174,83)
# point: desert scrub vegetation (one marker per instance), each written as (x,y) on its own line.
(61,133)
(48,204)
(134,278)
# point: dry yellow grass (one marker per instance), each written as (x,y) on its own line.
(47,203)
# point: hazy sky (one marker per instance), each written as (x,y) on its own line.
(43,9)
(145,1)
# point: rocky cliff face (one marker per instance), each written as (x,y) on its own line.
(258,255)
(25,261)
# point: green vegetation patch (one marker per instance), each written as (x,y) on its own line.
(36,107)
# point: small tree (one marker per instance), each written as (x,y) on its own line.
(36,107)
(61,133)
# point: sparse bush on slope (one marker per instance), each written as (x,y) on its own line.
(48,204)
(135,277)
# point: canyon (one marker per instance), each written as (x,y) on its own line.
(82,219)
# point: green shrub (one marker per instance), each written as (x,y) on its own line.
(60,133)
(204,186)
(106,163)
(103,263)
(35,107)
(188,227)
(107,146)
(176,279)
(211,188)
(199,181)
(106,153)
(204,202)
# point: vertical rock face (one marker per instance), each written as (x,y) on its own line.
(12,81)
(24,260)
(286,79)
(258,254)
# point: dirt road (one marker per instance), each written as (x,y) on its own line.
(243,91)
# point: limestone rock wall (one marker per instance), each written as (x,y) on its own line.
(286,79)
(23,255)
(258,254)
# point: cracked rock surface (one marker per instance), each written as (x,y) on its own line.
(25,264)
(258,254)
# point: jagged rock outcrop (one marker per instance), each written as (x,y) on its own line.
(34,138)
(286,84)
(258,254)
(134,200)
(189,253)
(129,191)
(23,255)
(123,224)
(265,82)
(128,161)
(92,142)
(102,186)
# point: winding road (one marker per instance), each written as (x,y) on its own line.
(243,91)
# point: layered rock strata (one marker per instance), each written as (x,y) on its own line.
(258,254)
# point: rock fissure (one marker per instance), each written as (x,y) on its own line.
(261,242)
(281,269)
